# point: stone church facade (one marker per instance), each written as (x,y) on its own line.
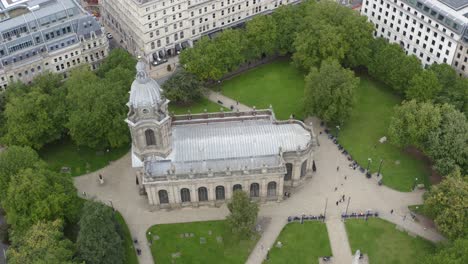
(201,159)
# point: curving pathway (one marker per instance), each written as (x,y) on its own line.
(120,189)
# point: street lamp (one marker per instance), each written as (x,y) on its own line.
(337,131)
(369,160)
(415,183)
(380,167)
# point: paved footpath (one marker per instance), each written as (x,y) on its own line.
(339,241)
(309,198)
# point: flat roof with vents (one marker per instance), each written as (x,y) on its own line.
(455,4)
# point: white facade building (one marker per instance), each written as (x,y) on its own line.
(160,28)
(201,159)
(436,31)
(46,35)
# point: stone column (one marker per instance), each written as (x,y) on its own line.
(296,173)
(263,190)
(280,186)
(228,190)
(246,187)
(175,194)
(194,195)
(211,194)
(150,192)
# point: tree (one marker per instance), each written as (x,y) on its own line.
(97,108)
(446,203)
(117,58)
(35,117)
(183,87)
(40,195)
(13,160)
(203,60)
(448,143)
(261,37)
(412,122)
(454,88)
(42,243)
(230,48)
(243,215)
(287,18)
(455,252)
(99,241)
(424,86)
(329,92)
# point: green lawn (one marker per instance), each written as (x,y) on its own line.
(384,244)
(198,107)
(81,160)
(368,123)
(277,83)
(191,249)
(302,243)
(130,253)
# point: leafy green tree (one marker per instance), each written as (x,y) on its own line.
(329,92)
(447,204)
(42,243)
(454,88)
(183,87)
(230,49)
(243,215)
(97,108)
(40,195)
(12,161)
(455,252)
(318,42)
(448,143)
(99,241)
(35,116)
(117,58)
(261,37)
(287,18)
(424,86)
(412,122)
(203,60)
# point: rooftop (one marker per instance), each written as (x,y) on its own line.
(455,4)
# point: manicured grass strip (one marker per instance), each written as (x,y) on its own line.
(369,122)
(81,160)
(198,107)
(130,253)
(384,244)
(277,83)
(302,243)
(172,241)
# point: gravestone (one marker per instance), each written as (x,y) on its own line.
(202,240)
(210,232)
(187,235)
(192,234)
(65,170)
(219,239)
(176,255)
(181,235)
(155,237)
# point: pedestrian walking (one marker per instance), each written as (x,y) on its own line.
(337,203)
(345,177)
(237,102)
(101,179)
(391,211)
(338,168)
(336,188)
(342,197)
(136,180)
(404,217)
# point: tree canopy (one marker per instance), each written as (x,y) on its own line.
(455,252)
(447,203)
(99,241)
(183,87)
(424,86)
(243,215)
(42,243)
(329,92)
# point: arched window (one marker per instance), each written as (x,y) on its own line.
(163,197)
(220,193)
(185,195)
(271,189)
(288,175)
(237,187)
(254,190)
(150,138)
(303,168)
(202,194)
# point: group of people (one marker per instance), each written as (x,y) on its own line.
(342,199)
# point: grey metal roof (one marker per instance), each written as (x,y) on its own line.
(455,4)
(234,144)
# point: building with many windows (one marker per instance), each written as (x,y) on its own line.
(436,31)
(201,159)
(160,28)
(46,35)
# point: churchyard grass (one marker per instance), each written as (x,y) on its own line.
(169,243)
(301,243)
(80,160)
(384,244)
(368,123)
(197,107)
(277,83)
(130,253)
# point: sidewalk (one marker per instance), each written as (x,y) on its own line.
(227,102)
(339,241)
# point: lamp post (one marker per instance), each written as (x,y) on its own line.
(415,183)
(349,199)
(337,131)
(380,167)
(325,210)
(369,160)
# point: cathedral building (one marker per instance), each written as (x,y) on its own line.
(200,159)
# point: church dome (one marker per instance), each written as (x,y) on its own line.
(145,91)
